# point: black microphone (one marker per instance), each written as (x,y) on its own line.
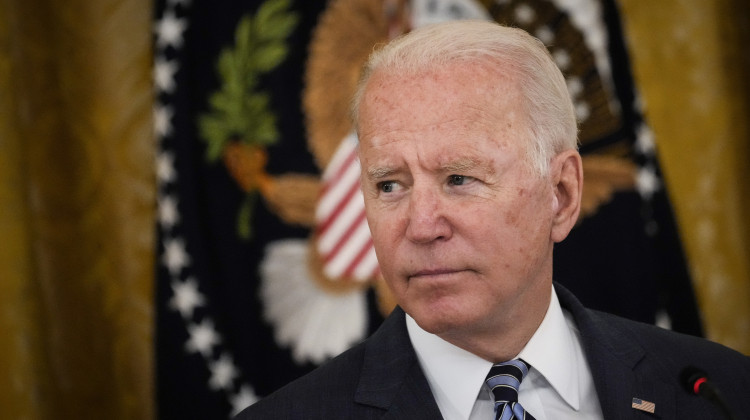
(696,382)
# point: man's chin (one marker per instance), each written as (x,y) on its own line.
(439,322)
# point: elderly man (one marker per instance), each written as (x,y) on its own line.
(470,175)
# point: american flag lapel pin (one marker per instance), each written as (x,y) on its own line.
(643,405)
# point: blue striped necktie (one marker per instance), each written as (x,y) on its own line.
(504,380)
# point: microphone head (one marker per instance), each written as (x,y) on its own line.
(691,378)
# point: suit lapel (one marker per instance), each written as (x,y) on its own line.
(392,380)
(391,377)
(614,358)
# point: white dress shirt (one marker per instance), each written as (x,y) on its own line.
(559,385)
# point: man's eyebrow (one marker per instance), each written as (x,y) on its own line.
(462,165)
(380,172)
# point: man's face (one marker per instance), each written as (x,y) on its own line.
(460,223)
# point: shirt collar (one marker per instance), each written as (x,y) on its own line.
(559,366)
(456,375)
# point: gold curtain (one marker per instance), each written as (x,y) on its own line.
(77,188)
(691,64)
(76,209)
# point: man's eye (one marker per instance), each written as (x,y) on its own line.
(386,186)
(457,179)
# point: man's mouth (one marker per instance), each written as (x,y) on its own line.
(434,272)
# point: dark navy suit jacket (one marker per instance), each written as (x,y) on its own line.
(381,377)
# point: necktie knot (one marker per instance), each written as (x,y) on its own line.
(504,380)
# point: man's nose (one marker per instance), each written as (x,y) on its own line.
(427,218)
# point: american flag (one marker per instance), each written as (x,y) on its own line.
(343,237)
(643,405)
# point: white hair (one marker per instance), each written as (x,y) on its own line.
(552,122)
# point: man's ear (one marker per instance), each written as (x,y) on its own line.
(566,174)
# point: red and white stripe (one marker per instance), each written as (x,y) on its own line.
(343,237)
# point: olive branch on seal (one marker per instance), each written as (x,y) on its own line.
(239,125)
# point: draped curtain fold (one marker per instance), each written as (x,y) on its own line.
(77,188)
(691,62)
(77,193)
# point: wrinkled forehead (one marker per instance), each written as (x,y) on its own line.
(460,103)
(437,90)
(472,101)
